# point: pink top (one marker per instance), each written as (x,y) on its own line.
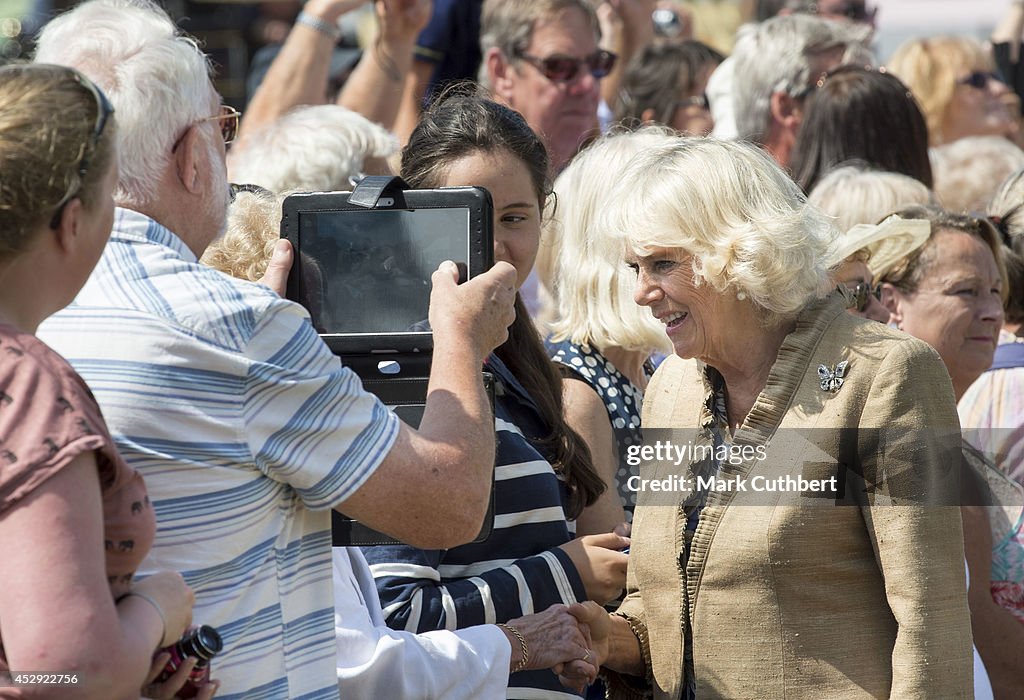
(48,417)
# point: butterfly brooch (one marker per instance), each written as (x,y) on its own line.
(832,378)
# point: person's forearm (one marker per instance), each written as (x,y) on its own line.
(377,84)
(299,73)
(458,418)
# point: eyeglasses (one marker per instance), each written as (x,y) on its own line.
(861,295)
(104,110)
(564,69)
(979,79)
(229,118)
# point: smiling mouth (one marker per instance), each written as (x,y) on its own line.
(674,320)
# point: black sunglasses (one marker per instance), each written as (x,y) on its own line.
(104,110)
(862,293)
(979,79)
(563,69)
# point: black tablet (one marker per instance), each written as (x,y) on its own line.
(363,272)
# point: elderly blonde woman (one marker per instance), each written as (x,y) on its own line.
(744,581)
(954,81)
(601,337)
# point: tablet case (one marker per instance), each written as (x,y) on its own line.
(394,366)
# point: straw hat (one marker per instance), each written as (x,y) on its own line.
(888,242)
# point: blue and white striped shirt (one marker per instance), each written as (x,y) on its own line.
(247,431)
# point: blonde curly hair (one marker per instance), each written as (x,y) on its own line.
(254,221)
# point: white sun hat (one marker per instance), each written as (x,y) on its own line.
(888,242)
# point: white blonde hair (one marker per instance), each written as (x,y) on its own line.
(155,76)
(589,288)
(310,149)
(968,171)
(727,204)
(858,194)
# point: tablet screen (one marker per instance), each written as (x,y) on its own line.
(368,271)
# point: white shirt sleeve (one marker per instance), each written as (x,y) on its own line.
(376,662)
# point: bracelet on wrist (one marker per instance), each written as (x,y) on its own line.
(522,644)
(326,28)
(156,606)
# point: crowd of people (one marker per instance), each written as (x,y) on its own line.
(802,266)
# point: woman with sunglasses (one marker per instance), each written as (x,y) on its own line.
(865,247)
(954,81)
(75,520)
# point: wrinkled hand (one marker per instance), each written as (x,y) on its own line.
(175,599)
(403,20)
(600,564)
(554,639)
(276,276)
(478,311)
(595,623)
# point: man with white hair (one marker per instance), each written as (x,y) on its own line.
(720,85)
(246,428)
(777,63)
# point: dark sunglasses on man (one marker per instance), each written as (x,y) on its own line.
(563,69)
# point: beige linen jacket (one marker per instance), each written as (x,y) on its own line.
(795,597)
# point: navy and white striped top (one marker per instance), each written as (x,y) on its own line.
(517,571)
(247,431)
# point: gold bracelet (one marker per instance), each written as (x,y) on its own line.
(522,643)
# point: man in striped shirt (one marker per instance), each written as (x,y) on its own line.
(246,428)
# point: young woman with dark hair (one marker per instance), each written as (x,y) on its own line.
(544,475)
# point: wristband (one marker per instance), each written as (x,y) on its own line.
(324,27)
(156,606)
(522,644)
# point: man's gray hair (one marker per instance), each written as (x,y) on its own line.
(508,25)
(776,56)
(156,77)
